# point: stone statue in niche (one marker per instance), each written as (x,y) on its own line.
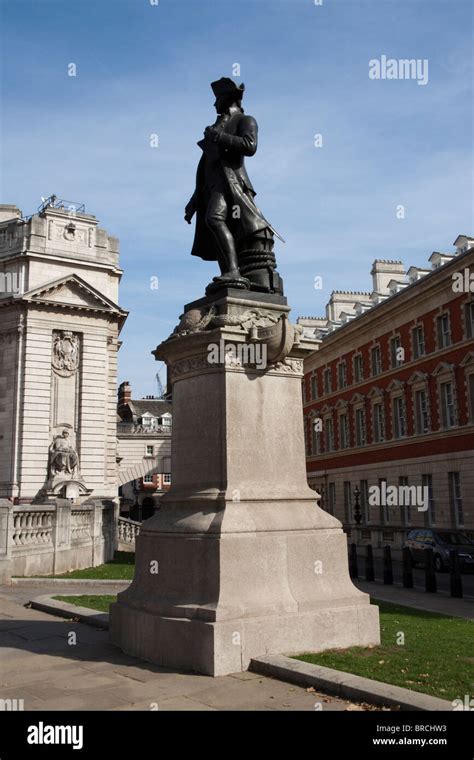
(65,353)
(63,458)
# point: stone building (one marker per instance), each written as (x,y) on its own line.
(389,399)
(59,281)
(144,452)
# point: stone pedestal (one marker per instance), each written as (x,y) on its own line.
(240,561)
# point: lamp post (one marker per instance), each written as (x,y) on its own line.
(357,512)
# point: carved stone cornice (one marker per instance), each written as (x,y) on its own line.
(196,364)
(188,365)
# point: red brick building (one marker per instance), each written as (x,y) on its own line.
(389,399)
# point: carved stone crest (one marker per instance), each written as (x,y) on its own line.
(65,359)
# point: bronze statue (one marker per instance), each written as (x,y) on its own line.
(230,229)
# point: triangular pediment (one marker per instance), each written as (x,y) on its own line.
(74,292)
(468,359)
(395,385)
(417,377)
(375,392)
(442,368)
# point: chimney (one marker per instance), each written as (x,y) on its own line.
(343,300)
(384,271)
(124,393)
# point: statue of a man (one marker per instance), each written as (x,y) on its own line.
(223,200)
(62,455)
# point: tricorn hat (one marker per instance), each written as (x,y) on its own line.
(226,86)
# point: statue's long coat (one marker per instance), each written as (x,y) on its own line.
(237,139)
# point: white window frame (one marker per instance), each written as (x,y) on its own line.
(378,425)
(315,436)
(447,400)
(344,440)
(421,412)
(399,416)
(358,360)
(347,500)
(444,334)
(327,386)
(329,425)
(364,501)
(376,351)
(342,375)
(427,481)
(360,414)
(455,492)
(406,517)
(468,365)
(384,514)
(468,316)
(394,362)
(418,345)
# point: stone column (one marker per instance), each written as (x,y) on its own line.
(61,536)
(240,561)
(6,543)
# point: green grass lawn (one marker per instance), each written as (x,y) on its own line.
(437,657)
(99,603)
(121,567)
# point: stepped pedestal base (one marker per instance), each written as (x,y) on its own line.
(240,561)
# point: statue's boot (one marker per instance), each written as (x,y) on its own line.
(228,258)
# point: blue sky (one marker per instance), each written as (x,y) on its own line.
(144,69)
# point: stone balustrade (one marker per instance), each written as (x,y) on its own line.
(127,531)
(130,428)
(56,537)
(32,527)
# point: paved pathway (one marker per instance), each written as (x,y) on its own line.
(24,592)
(39,664)
(440,602)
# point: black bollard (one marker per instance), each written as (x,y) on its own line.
(387,566)
(407,568)
(353,569)
(430,575)
(455,580)
(369,564)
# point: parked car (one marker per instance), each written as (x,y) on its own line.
(441,541)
